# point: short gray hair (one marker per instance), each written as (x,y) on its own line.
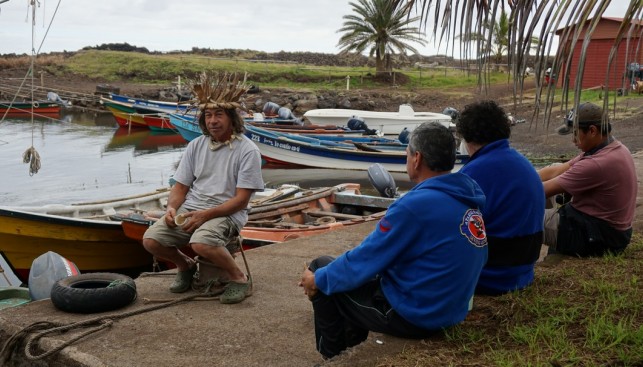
(436,144)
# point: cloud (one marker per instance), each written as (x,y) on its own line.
(170,25)
(165,25)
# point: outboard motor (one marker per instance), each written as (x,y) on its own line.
(54,97)
(382,181)
(253,89)
(568,124)
(357,123)
(450,111)
(183,96)
(285,113)
(270,109)
(404,136)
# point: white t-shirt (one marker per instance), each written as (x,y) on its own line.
(214,176)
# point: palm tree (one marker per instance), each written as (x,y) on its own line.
(382,27)
(529,18)
(499,41)
(497,45)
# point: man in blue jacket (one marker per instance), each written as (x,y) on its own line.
(416,272)
(515,205)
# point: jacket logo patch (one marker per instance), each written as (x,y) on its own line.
(384,225)
(472,227)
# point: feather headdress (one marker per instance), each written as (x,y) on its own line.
(218,91)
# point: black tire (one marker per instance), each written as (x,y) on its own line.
(93,292)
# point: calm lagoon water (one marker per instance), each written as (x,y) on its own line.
(86,157)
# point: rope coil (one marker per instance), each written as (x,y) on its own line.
(29,335)
(32,157)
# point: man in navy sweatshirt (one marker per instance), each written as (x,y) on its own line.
(515,205)
(416,272)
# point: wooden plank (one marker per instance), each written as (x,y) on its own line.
(320,213)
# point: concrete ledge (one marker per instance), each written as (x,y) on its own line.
(273,327)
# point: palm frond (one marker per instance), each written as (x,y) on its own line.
(453,19)
(382,28)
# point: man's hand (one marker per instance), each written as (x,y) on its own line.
(308,282)
(194,220)
(170,214)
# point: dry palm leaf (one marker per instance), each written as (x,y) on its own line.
(539,18)
(218,91)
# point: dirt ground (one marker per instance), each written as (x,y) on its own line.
(534,137)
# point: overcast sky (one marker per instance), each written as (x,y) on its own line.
(164,25)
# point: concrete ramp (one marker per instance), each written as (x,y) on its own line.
(273,327)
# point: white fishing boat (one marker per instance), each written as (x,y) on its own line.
(294,150)
(389,123)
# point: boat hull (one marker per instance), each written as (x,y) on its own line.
(187,128)
(279,149)
(126,119)
(389,123)
(82,233)
(27,108)
(159,123)
(91,245)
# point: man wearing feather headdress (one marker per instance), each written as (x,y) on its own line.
(215,179)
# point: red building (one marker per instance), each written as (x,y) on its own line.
(598,53)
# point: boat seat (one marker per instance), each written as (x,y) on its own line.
(278,212)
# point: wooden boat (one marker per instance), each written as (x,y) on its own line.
(127,115)
(146,107)
(46,108)
(128,120)
(303,214)
(291,149)
(190,130)
(149,106)
(389,123)
(159,122)
(82,233)
(314,212)
(124,115)
(307,129)
(186,126)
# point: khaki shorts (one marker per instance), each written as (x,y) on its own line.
(215,232)
(551,227)
(550,233)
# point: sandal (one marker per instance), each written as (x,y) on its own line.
(183,280)
(236,292)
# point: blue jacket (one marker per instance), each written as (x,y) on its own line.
(428,249)
(513,214)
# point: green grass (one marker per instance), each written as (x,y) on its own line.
(163,69)
(580,312)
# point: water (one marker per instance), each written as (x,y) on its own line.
(86,157)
